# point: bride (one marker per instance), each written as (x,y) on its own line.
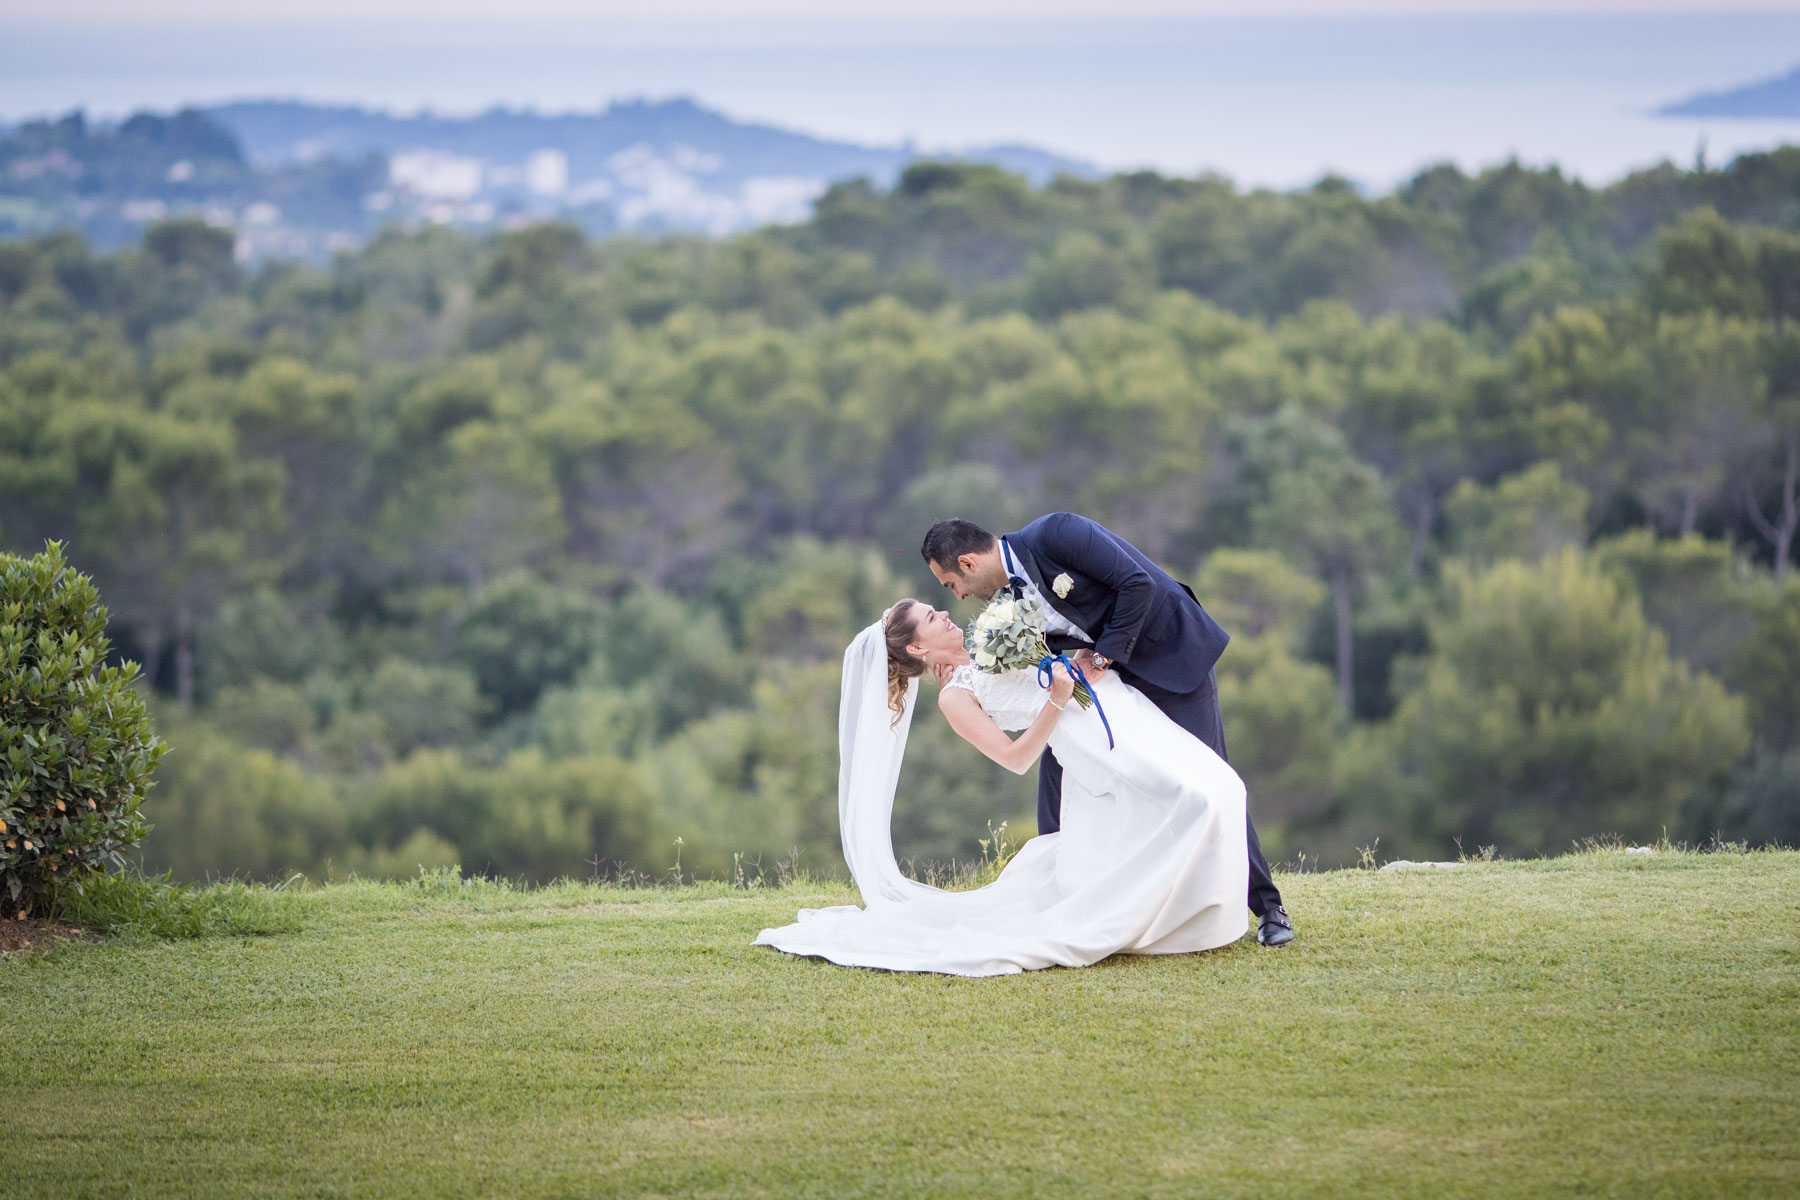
(1149,859)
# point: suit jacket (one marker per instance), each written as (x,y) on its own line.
(1149,625)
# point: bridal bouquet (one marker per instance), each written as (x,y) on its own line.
(1009,636)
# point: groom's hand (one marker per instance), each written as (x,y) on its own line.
(1089,666)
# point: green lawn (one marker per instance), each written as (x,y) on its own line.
(1599,1024)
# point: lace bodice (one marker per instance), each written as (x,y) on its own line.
(1013,699)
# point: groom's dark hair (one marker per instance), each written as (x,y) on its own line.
(950,539)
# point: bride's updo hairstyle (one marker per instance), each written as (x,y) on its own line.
(900,623)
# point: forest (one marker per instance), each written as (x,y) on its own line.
(537,554)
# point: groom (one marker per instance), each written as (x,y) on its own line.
(1118,611)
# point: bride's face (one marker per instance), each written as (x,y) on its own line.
(933,630)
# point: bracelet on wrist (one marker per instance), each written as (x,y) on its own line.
(1059,707)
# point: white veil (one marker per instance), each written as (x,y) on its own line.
(871,745)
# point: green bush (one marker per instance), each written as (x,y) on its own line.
(1283,727)
(423,851)
(224,808)
(523,636)
(76,745)
(1527,515)
(1760,805)
(1548,709)
(763,779)
(526,817)
(1768,662)
(1258,593)
(422,705)
(1078,272)
(1699,592)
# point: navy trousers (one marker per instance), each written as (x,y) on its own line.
(1198,713)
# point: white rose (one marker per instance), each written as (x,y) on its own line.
(1002,611)
(983,659)
(1061,585)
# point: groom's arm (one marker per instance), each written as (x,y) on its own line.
(1077,542)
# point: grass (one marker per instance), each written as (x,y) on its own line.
(1604,1023)
(132,907)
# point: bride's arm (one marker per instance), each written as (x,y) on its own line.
(974,726)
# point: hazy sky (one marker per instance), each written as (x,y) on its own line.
(1373,89)
(835,10)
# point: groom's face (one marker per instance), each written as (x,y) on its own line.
(974,575)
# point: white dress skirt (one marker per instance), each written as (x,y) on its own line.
(1150,859)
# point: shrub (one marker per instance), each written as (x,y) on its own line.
(422,705)
(1285,727)
(1078,272)
(1255,593)
(1526,516)
(1768,662)
(1761,804)
(526,817)
(1548,709)
(76,744)
(523,636)
(1699,592)
(423,852)
(225,808)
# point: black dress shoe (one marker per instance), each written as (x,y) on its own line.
(1275,929)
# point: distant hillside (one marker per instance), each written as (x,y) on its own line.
(110,181)
(641,165)
(1770,98)
(299,180)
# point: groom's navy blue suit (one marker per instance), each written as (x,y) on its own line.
(1152,628)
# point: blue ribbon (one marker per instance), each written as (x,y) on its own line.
(1046,675)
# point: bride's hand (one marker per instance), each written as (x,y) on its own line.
(1062,684)
(942,672)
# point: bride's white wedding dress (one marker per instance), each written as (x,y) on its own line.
(1150,858)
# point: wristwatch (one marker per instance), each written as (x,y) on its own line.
(1101,661)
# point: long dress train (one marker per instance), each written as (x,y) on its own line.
(1149,860)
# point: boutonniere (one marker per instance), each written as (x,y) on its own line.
(1061,585)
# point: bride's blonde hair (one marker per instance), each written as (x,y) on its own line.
(900,624)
